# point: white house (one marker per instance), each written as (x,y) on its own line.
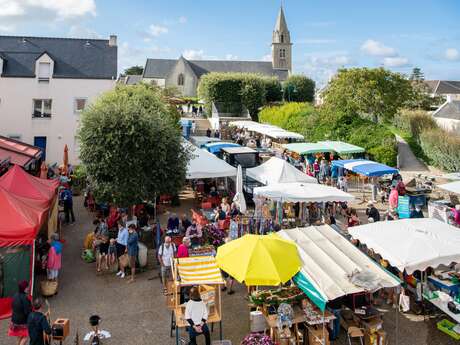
(45,83)
(449,89)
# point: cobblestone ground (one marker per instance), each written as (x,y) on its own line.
(135,314)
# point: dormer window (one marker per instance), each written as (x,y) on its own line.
(180,80)
(44,72)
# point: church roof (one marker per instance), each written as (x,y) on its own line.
(160,68)
(281,24)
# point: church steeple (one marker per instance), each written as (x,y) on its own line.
(281,44)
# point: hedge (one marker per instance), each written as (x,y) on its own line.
(299,88)
(249,90)
(323,124)
(414,122)
(442,148)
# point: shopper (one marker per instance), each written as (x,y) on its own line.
(166,253)
(122,242)
(67,199)
(196,314)
(21,309)
(54,257)
(182,251)
(37,324)
(133,249)
(372,212)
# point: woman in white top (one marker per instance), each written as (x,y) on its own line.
(196,314)
(225,206)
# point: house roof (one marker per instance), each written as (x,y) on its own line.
(449,110)
(442,87)
(160,68)
(73,58)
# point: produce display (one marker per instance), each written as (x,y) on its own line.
(275,297)
(206,250)
(257,339)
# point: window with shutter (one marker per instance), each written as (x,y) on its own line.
(44,71)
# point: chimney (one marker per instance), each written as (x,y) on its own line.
(112,40)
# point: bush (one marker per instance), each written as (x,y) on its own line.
(441,148)
(250,90)
(325,124)
(414,122)
(299,88)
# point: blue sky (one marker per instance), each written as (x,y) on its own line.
(398,34)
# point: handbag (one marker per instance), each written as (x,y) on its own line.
(404,302)
(124,260)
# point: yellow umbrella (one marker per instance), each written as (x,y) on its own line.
(259,259)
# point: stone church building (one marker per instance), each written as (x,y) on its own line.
(185,74)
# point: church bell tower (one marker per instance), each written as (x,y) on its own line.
(281,44)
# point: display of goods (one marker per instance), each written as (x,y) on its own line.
(257,339)
(275,297)
(214,236)
(208,250)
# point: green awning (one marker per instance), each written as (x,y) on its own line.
(342,148)
(305,148)
(308,288)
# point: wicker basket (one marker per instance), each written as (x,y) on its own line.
(48,287)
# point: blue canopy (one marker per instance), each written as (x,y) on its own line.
(365,167)
(216,147)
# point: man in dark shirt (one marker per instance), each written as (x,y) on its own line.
(372,212)
(37,324)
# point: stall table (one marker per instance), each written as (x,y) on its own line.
(441,303)
(445,285)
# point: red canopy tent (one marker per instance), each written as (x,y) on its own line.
(20,183)
(19,224)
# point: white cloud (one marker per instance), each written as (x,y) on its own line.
(397,61)
(182,20)
(129,55)
(321,66)
(62,9)
(191,54)
(267,57)
(231,57)
(79,31)
(157,30)
(376,48)
(452,54)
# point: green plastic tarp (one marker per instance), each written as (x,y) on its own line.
(309,289)
(305,148)
(342,148)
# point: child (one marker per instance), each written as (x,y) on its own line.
(112,252)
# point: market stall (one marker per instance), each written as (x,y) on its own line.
(416,245)
(200,141)
(277,170)
(19,226)
(451,187)
(339,147)
(332,268)
(200,271)
(272,131)
(294,204)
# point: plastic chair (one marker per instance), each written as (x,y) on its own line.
(355,332)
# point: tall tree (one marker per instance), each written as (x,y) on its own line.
(131,146)
(134,70)
(299,88)
(417,74)
(375,92)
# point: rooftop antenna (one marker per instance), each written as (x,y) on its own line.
(87,44)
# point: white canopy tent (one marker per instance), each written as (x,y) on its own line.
(267,130)
(411,244)
(277,170)
(452,187)
(332,266)
(302,192)
(204,164)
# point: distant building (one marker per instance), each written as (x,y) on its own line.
(45,83)
(185,74)
(447,116)
(448,89)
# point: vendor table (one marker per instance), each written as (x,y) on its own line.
(441,303)
(445,285)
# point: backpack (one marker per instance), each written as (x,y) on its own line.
(162,249)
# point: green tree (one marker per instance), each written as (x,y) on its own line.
(299,88)
(134,70)
(273,90)
(131,146)
(374,92)
(417,74)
